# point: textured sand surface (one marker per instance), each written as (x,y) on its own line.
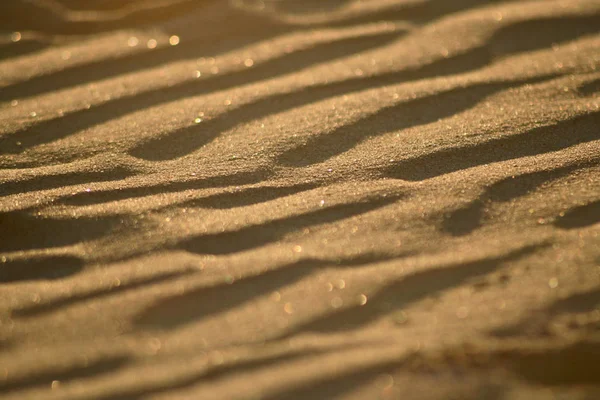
(286,199)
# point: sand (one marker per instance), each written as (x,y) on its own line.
(282,199)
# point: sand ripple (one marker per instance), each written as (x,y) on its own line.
(300,200)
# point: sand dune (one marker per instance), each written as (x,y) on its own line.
(286,199)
